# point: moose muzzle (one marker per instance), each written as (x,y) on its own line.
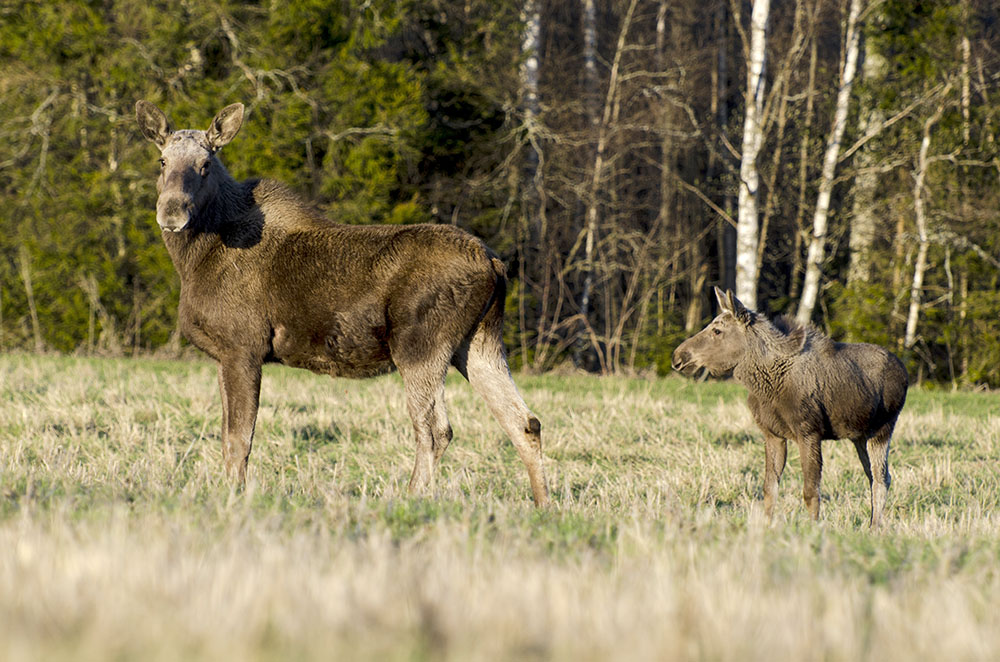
(173,213)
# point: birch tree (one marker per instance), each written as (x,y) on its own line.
(530,108)
(863,217)
(920,219)
(532,197)
(753,138)
(817,243)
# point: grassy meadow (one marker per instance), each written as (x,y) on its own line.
(121,539)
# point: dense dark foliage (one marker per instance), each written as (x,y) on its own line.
(402,112)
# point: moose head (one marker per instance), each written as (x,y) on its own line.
(720,346)
(190,172)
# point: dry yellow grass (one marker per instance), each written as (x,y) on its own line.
(120,539)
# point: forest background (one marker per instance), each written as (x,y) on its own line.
(836,160)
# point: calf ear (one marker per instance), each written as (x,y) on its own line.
(152,122)
(720,296)
(225,126)
(738,309)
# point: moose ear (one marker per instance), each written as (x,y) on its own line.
(225,126)
(720,296)
(152,122)
(738,309)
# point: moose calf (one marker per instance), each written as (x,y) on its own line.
(804,386)
(266,278)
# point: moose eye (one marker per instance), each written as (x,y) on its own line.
(205,168)
(716,332)
(163,164)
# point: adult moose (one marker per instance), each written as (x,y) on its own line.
(266,278)
(804,386)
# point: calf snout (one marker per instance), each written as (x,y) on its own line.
(681,359)
(173,213)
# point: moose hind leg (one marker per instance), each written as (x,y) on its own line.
(425,405)
(878,453)
(484,364)
(440,428)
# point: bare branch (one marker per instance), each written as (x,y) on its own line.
(876,130)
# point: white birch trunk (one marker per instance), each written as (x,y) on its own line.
(530,44)
(920,217)
(747,223)
(799,226)
(591,79)
(817,243)
(863,218)
(590,103)
(530,177)
(964,75)
(530,47)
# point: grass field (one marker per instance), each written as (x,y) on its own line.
(120,538)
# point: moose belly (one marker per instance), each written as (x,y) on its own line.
(337,349)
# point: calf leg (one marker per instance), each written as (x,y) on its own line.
(878,476)
(811,454)
(775,452)
(239,384)
(861,446)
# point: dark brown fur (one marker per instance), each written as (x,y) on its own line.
(265,278)
(804,386)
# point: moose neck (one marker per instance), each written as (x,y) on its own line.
(763,366)
(217,225)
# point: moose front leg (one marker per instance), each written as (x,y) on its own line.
(775,452)
(239,384)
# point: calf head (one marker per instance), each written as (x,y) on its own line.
(720,346)
(190,173)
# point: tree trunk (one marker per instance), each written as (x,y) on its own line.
(597,177)
(530,107)
(920,217)
(590,77)
(720,108)
(29,290)
(530,179)
(817,244)
(800,214)
(963,314)
(864,220)
(966,47)
(753,138)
